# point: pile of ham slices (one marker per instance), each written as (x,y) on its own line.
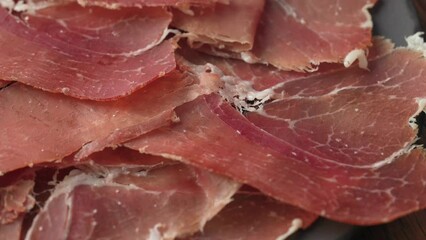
(204,119)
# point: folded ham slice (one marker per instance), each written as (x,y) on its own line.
(338,144)
(89,53)
(51,126)
(301,34)
(252,216)
(3,83)
(229,27)
(155,203)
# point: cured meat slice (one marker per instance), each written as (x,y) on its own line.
(231,27)
(114,4)
(51,126)
(252,216)
(340,142)
(12,231)
(89,53)
(160,203)
(301,34)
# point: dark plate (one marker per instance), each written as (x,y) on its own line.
(394,19)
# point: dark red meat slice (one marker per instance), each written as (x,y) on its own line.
(51,126)
(252,216)
(300,34)
(89,53)
(231,27)
(161,203)
(3,83)
(340,142)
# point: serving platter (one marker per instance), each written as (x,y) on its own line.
(396,20)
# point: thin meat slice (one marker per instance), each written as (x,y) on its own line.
(229,27)
(51,126)
(340,142)
(252,216)
(89,53)
(12,231)
(301,34)
(160,203)
(128,31)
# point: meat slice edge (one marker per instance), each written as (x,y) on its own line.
(251,216)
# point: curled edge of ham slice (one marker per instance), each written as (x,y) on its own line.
(169,201)
(295,34)
(4,83)
(229,27)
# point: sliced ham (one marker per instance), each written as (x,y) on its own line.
(340,142)
(301,34)
(159,203)
(252,216)
(51,126)
(89,53)
(231,27)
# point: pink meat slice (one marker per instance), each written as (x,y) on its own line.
(340,142)
(252,216)
(51,126)
(160,203)
(12,231)
(88,53)
(301,34)
(212,25)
